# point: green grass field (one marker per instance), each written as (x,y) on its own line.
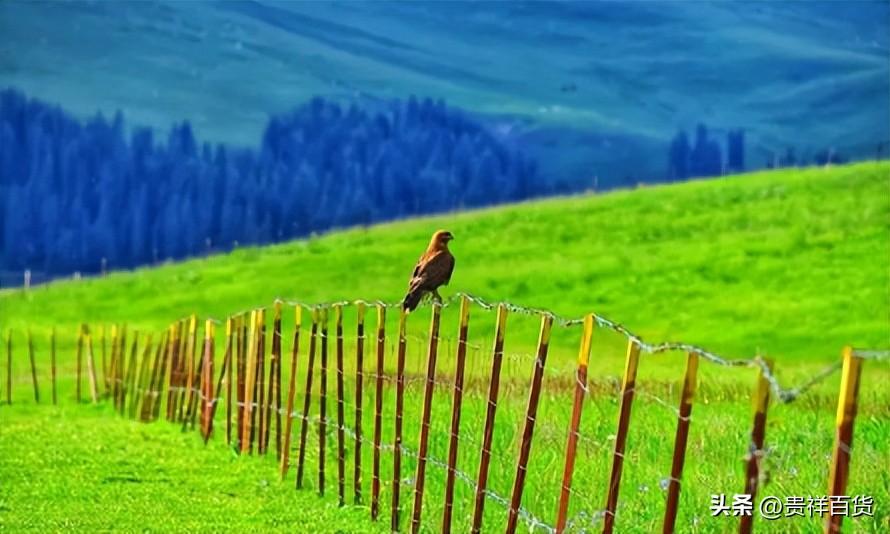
(790,264)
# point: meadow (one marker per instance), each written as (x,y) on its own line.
(788,264)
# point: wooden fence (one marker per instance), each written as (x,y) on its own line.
(175,374)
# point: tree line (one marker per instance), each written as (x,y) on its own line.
(79,195)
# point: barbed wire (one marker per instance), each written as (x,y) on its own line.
(782,394)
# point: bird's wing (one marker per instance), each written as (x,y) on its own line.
(433,272)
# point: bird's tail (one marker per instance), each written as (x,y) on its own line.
(412,299)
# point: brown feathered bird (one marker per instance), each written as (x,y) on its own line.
(433,270)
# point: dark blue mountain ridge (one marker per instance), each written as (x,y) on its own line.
(81,195)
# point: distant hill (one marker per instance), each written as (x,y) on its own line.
(594,91)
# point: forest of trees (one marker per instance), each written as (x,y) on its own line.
(75,196)
(704,157)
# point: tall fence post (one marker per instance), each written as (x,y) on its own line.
(291,392)
(527,433)
(249,383)
(187,394)
(397,444)
(241,371)
(307,399)
(262,405)
(359,379)
(628,386)
(322,400)
(457,400)
(79,372)
(686,398)
(9,369)
(847,404)
(572,441)
(228,364)
(273,405)
(341,436)
(33,367)
(488,432)
(52,359)
(378,411)
(141,378)
(207,391)
(420,477)
(225,374)
(104,360)
(130,373)
(755,452)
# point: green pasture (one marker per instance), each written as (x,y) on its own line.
(790,264)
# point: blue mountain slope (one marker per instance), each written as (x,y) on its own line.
(593,88)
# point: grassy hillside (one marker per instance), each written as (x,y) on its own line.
(792,263)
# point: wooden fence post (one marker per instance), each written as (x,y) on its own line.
(52,359)
(174,375)
(420,476)
(33,367)
(79,379)
(755,452)
(378,411)
(262,402)
(104,360)
(130,373)
(488,432)
(341,436)
(151,395)
(628,386)
(207,391)
(457,399)
(9,369)
(322,400)
(687,396)
(225,374)
(847,405)
(528,431)
(187,395)
(291,392)
(572,441)
(241,353)
(397,444)
(166,349)
(141,378)
(112,369)
(249,382)
(229,364)
(275,379)
(359,379)
(307,398)
(91,369)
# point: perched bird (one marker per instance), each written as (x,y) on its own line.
(433,269)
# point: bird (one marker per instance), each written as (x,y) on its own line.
(433,270)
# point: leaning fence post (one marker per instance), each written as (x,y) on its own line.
(291,392)
(141,377)
(262,434)
(91,369)
(572,442)
(755,453)
(528,431)
(378,410)
(77,386)
(52,359)
(686,398)
(843,443)
(225,374)
(627,398)
(307,398)
(104,360)
(341,436)
(33,367)
(400,404)
(130,373)
(322,399)
(420,477)
(359,379)
(455,412)
(488,432)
